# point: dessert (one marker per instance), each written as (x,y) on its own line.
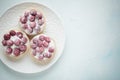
(31,27)
(32,22)
(15,43)
(42,49)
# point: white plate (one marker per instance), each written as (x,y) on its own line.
(54,29)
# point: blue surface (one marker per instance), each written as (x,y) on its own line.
(92,50)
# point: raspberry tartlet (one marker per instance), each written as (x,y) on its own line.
(15,43)
(32,22)
(42,49)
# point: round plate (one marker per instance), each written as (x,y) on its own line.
(54,29)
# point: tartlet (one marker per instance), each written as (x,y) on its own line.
(32,22)
(15,43)
(42,49)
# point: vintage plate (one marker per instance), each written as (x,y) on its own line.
(54,29)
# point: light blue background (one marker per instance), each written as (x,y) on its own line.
(92,50)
